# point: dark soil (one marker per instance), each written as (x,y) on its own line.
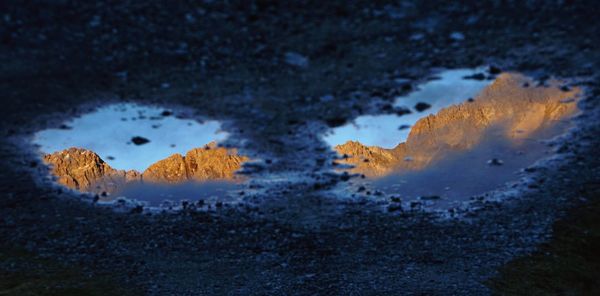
(280,73)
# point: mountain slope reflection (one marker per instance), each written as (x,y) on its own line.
(460,175)
(450,150)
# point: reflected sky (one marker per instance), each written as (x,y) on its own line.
(461,175)
(108,131)
(383,130)
(465,150)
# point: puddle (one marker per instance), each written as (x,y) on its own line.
(386,131)
(460,148)
(143,152)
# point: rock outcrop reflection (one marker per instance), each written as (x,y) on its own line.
(84,170)
(514,110)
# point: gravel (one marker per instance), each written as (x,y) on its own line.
(264,68)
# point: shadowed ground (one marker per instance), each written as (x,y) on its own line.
(281,73)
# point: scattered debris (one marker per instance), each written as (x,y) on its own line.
(495,161)
(395,208)
(139,140)
(494,70)
(457,36)
(477,76)
(296,59)
(335,121)
(422,106)
(429,197)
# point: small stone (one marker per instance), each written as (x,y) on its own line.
(422,106)
(417,37)
(402,111)
(139,140)
(495,161)
(296,59)
(457,36)
(95,21)
(335,122)
(327,98)
(403,127)
(494,70)
(395,199)
(345,176)
(394,208)
(137,210)
(478,76)
(429,197)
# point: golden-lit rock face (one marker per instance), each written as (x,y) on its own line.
(85,171)
(506,105)
(169,170)
(212,162)
(199,164)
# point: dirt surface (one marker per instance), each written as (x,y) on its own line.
(279,73)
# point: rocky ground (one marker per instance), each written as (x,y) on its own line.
(280,73)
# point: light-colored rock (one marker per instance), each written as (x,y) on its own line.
(506,106)
(85,171)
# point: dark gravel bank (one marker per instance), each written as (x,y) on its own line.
(280,73)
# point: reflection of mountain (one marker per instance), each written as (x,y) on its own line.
(508,104)
(84,170)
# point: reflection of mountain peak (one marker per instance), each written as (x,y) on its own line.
(211,145)
(84,170)
(506,105)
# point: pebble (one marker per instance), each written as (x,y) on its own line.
(296,59)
